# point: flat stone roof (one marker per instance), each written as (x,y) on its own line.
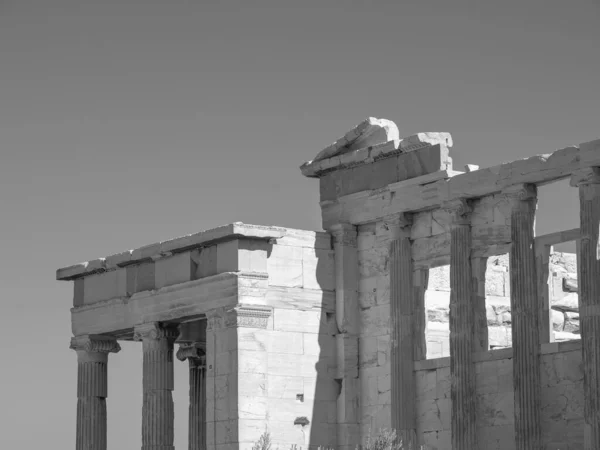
(178,245)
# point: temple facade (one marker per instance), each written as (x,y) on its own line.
(427,305)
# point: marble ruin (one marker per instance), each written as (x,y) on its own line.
(428,305)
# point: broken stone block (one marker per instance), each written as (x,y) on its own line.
(369,132)
(569,302)
(570,283)
(439,279)
(438,314)
(505,318)
(571,322)
(558,320)
(490,313)
(423,139)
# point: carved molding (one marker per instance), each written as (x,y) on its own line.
(215,319)
(248,316)
(459,211)
(196,351)
(344,234)
(97,344)
(590,175)
(154,331)
(253,275)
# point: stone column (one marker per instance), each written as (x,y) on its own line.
(525,309)
(346,313)
(92,358)
(589,300)
(157,411)
(462,329)
(403,339)
(196,355)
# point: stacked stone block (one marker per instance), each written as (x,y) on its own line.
(373,242)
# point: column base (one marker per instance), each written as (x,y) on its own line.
(158,447)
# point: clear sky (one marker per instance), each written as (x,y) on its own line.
(126,122)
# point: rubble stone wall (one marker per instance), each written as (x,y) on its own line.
(563,302)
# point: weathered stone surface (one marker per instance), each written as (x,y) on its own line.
(483,182)
(371,169)
(564,310)
(369,132)
(325,336)
(159,249)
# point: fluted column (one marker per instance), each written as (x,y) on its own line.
(525,309)
(462,329)
(403,333)
(157,410)
(589,300)
(92,359)
(195,353)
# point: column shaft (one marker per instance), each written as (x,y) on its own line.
(589,304)
(462,331)
(157,409)
(197,412)
(346,311)
(402,355)
(195,353)
(525,310)
(92,358)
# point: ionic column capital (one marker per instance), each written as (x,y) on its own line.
(95,344)
(192,351)
(520,193)
(398,225)
(589,175)
(459,210)
(155,331)
(344,234)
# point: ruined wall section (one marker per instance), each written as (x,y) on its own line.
(562,399)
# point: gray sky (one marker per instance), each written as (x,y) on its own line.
(127,122)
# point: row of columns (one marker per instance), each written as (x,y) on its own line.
(467,333)
(157,410)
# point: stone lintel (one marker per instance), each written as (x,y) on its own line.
(535,170)
(167,248)
(193,298)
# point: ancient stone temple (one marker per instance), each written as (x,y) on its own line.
(427,305)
